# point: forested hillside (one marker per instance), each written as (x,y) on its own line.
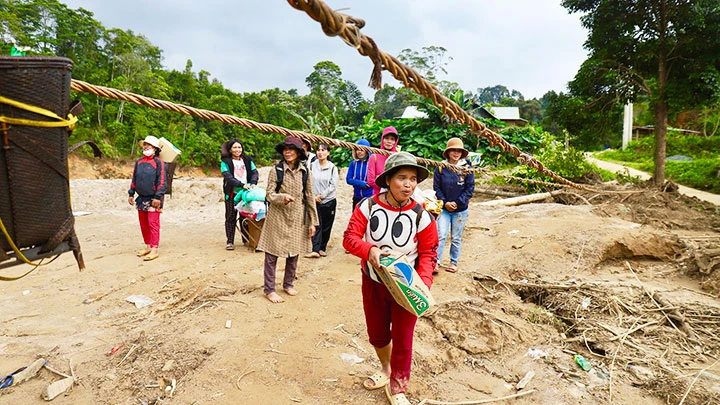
(128,61)
(330,106)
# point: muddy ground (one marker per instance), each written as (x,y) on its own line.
(626,276)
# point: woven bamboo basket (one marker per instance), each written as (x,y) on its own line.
(34,182)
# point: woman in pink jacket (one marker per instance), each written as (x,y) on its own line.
(376,164)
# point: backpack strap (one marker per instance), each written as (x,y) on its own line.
(280,171)
(305,174)
(418,208)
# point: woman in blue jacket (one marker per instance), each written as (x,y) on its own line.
(357,174)
(455,191)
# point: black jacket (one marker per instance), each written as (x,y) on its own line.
(229,180)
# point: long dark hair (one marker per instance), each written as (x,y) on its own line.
(227,148)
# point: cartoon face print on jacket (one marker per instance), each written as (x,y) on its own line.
(392,229)
(395,229)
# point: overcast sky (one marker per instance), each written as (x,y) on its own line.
(532,46)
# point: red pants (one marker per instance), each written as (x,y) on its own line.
(150,227)
(389,322)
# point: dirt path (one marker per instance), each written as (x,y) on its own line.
(536,284)
(615,168)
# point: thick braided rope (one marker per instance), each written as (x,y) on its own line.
(107,92)
(348,28)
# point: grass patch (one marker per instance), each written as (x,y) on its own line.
(702,173)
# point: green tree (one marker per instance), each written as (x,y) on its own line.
(10,26)
(435,115)
(353,103)
(531,110)
(124,60)
(77,38)
(666,49)
(590,127)
(327,125)
(497,95)
(390,102)
(325,83)
(428,62)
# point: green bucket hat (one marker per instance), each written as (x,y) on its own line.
(397,161)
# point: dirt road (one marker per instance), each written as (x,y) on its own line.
(537,283)
(615,168)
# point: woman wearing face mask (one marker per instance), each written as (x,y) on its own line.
(148,181)
(239,173)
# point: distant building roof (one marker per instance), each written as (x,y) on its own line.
(510,115)
(649,129)
(506,113)
(413,112)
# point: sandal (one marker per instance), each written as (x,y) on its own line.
(379,379)
(397,399)
(143,252)
(151,256)
(452,268)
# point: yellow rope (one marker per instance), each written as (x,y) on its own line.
(6,278)
(14,246)
(21,256)
(61,122)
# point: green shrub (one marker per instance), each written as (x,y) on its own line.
(643,150)
(566,162)
(417,136)
(698,147)
(701,174)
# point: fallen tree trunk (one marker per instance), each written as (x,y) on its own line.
(500,193)
(523,199)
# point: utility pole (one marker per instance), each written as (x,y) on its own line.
(627,125)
